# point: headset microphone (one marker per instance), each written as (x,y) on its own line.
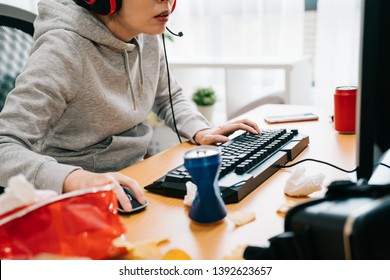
(180,34)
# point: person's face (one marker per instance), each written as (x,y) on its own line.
(139,16)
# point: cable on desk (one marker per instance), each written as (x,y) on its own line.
(384,164)
(319,161)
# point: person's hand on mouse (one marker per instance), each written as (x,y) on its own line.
(220,134)
(82,179)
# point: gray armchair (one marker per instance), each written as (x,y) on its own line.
(16,30)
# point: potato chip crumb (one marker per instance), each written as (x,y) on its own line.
(241,218)
(237,254)
(146,251)
(156,242)
(282,210)
(141,250)
(176,254)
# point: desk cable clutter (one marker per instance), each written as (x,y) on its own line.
(352,221)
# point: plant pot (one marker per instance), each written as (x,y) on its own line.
(207,112)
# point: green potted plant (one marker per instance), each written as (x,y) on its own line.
(205,98)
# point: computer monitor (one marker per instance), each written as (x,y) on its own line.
(373,101)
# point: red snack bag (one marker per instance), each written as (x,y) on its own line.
(77,224)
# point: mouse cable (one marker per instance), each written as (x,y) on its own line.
(316,160)
(169,89)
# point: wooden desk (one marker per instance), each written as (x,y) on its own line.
(168,217)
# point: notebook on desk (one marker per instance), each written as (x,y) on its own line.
(247,161)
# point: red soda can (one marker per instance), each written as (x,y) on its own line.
(345,109)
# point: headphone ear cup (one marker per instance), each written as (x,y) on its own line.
(173,6)
(102,7)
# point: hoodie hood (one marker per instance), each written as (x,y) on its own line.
(67,15)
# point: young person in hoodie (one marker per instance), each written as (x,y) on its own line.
(78,112)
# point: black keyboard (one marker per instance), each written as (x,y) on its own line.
(247,161)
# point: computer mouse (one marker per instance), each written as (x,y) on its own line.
(134,203)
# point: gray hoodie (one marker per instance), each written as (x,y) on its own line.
(83,99)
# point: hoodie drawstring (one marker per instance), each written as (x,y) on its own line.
(141,86)
(129,78)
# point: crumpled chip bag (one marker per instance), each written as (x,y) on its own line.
(82,224)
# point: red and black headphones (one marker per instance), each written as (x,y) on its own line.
(105,7)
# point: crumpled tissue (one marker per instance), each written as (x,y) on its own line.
(21,193)
(300,185)
(191,193)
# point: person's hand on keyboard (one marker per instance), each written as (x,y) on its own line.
(220,134)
